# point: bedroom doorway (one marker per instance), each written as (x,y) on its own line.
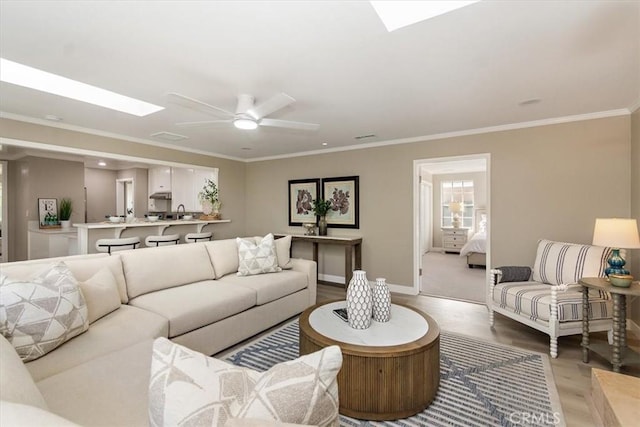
(454,212)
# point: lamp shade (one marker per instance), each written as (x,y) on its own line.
(616,233)
(455,207)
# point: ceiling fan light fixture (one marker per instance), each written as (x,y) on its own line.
(245,123)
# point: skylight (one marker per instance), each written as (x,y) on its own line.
(398,14)
(22,75)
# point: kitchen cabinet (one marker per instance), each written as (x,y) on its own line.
(186,183)
(159,182)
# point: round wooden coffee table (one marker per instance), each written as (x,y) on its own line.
(389,371)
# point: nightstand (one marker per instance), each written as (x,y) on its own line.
(453,239)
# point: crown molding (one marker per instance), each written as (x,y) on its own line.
(96,132)
(478,131)
(424,138)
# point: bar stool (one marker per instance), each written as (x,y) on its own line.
(110,245)
(169,239)
(196,237)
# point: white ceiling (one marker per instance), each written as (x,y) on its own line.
(464,70)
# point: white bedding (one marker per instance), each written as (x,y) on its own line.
(478,243)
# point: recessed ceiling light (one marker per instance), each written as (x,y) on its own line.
(22,75)
(102,163)
(325,144)
(53,118)
(529,102)
(398,14)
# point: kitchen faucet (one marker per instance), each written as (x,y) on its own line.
(178,210)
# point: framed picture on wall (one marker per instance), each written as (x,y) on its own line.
(48,213)
(301,193)
(343,192)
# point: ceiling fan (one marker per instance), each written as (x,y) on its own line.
(247,115)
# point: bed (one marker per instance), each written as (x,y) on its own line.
(476,247)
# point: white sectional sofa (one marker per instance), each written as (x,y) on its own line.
(189,293)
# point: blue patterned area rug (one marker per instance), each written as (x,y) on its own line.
(481,383)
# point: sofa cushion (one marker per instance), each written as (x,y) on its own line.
(16,414)
(83,269)
(270,287)
(195,305)
(533,299)
(152,269)
(559,263)
(224,256)
(101,294)
(16,384)
(115,331)
(189,388)
(109,390)
(257,257)
(39,314)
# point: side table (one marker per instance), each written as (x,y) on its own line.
(620,354)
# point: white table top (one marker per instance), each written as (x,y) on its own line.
(405,326)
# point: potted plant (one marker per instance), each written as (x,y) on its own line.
(320,208)
(209,198)
(66,207)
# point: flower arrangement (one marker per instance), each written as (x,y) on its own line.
(209,194)
(321,207)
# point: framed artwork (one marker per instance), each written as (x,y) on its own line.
(48,213)
(343,192)
(301,193)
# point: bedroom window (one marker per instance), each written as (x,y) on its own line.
(460,191)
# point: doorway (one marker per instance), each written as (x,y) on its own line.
(125,196)
(439,268)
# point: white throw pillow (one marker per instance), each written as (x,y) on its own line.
(39,314)
(101,294)
(189,388)
(257,257)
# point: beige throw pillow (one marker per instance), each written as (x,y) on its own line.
(38,315)
(283,250)
(101,294)
(189,388)
(257,257)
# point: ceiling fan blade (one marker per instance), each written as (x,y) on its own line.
(289,124)
(202,124)
(194,104)
(271,105)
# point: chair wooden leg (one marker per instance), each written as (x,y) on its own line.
(553,347)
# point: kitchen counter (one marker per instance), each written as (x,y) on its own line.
(89,233)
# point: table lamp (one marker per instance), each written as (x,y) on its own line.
(455,208)
(616,233)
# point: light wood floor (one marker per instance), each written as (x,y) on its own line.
(572,377)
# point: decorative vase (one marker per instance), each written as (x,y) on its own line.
(359,301)
(381,301)
(207,207)
(322,226)
(65,223)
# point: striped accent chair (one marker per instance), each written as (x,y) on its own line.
(551,300)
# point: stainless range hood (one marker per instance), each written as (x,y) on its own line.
(161,195)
